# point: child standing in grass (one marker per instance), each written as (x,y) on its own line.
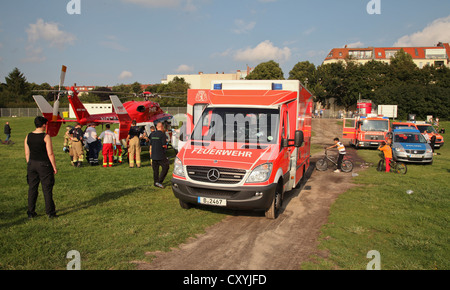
(387,151)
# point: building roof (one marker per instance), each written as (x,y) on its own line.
(440,51)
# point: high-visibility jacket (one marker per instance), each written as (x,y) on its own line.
(341,148)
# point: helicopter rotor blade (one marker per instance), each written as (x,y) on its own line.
(61,83)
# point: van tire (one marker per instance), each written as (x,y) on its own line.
(273,210)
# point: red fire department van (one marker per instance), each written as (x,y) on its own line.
(248,143)
(366,131)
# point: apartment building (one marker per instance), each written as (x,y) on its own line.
(438,55)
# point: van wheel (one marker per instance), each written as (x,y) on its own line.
(273,210)
(185,205)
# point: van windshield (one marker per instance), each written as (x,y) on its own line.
(238,125)
(375,125)
(409,138)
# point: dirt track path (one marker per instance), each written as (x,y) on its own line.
(252,242)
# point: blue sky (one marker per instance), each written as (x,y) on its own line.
(123,41)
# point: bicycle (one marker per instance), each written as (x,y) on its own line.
(396,166)
(322,164)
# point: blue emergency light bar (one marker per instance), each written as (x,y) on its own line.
(277,87)
(218,86)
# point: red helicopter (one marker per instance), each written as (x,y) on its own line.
(144,112)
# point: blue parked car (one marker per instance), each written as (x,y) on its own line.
(409,145)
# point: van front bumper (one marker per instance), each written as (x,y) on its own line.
(239,197)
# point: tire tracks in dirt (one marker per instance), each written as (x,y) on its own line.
(249,241)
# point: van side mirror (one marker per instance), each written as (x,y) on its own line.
(298,141)
(299,138)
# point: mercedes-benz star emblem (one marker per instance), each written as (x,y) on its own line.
(213,175)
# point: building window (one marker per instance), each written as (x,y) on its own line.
(360,54)
(435,54)
(390,53)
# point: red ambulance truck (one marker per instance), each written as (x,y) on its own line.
(248,142)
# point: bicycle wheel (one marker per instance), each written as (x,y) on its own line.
(400,168)
(346,166)
(381,166)
(322,164)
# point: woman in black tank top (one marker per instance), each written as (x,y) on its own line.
(41,167)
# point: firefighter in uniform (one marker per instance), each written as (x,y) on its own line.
(68,144)
(134,146)
(77,145)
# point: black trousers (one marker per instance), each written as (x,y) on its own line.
(94,150)
(40,172)
(339,161)
(159,178)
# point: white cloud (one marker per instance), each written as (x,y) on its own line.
(188,5)
(184,68)
(438,30)
(357,44)
(309,31)
(264,51)
(50,33)
(243,27)
(113,43)
(34,54)
(125,75)
(45,33)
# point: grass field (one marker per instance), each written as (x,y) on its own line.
(113,216)
(410,231)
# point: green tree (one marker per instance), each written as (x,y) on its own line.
(267,71)
(136,88)
(101,93)
(305,72)
(17,88)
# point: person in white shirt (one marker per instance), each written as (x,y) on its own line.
(109,141)
(342,152)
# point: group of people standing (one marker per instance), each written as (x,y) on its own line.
(157,141)
(41,164)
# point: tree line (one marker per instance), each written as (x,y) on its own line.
(17,92)
(420,91)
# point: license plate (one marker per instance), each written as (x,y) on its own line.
(416,156)
(374,143)
(212,201)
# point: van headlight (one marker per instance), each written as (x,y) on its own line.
(260,174)
(178,167)
(429,150)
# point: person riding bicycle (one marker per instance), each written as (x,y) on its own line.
(387,151)
(342,152)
